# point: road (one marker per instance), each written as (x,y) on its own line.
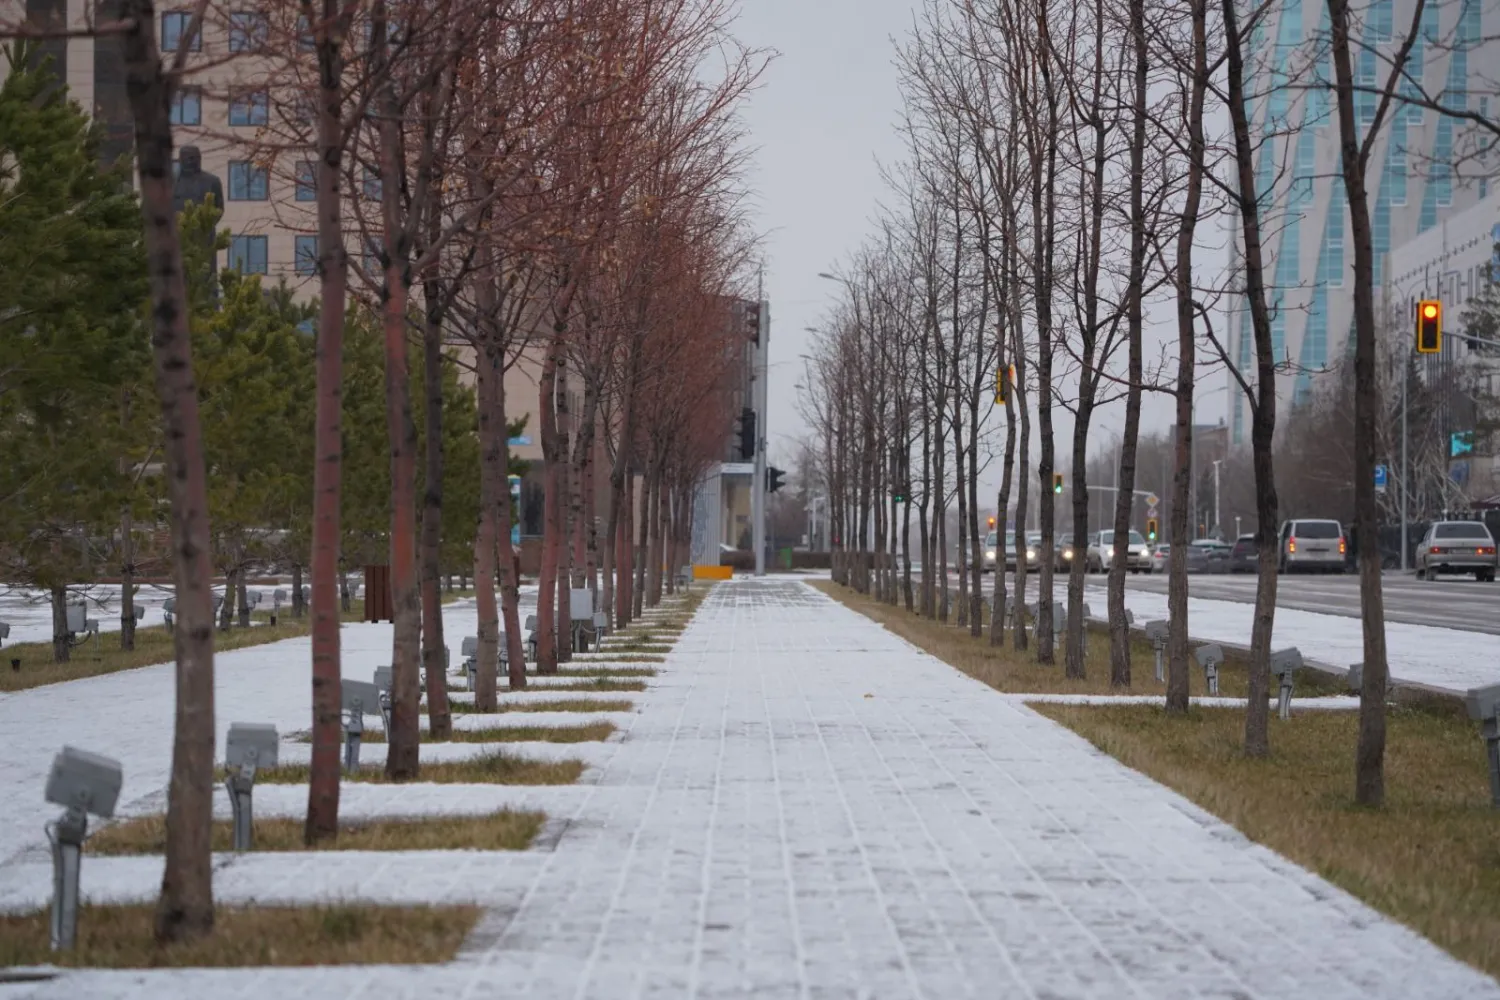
(1451,602)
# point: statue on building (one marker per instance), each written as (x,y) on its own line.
(193,185)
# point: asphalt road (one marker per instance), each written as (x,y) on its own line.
(1451,602)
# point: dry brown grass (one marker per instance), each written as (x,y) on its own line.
(592,732)
(599,683)
(497,767)
(153,645)
(634,646)
(622,658)
(120,937)
(1005,669)
(1429,858)
(551,705)
(506,830)
(605,671)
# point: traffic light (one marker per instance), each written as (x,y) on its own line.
(773,479)
(1150,529)
(1057,482)
(899,494)
(992,522)
(747,434)
(1004,379)
(752,321)
(1429,326)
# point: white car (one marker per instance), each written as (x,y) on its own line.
(1101,553)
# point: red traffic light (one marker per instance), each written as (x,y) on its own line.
(1429,326)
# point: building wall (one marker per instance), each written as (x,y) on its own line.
(1452,262)
(1412,184)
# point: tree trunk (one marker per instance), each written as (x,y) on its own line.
(552,540)
(299,607)
(185,908)
(1119,630)
(1007,475)
(1263,407)
(242,595)
(494,497)
(563,500)
(402,751)
(62,652)
(127,581)
(1369,759)
(226,605)
(434,662)
(509,570)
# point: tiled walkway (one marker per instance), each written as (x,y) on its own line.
(806,806)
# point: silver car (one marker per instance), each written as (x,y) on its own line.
(1457,547)
(1102,553)
(1316,546)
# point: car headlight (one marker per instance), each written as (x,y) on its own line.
(1030,554)
(1067,553)
(990,555)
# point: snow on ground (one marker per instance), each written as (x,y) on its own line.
(1418,654)
(806,806)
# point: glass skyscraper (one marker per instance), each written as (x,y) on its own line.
(1421,169)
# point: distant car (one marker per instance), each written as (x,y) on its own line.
(1160,553)
(1066,550)
(1313,545)
(1101,552)
(991,541)
(1243,557)
(1033,550)
(1208,555)
(1457,547)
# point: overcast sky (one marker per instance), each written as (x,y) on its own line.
(822,123)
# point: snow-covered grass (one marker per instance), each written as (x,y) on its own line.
(1444,658)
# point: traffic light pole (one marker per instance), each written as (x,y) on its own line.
(758,487)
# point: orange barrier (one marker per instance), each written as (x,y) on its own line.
(713,572)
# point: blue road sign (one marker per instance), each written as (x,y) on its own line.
(1382,477)
(1460,443)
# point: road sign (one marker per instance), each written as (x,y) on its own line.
(1382,475)
(1150,511)
(1152,500)
(1460,443)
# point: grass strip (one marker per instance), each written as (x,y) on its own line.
(120,937)
(593,732)
(1017,672)
(506,830)
(1429,857)
(497,767)
(550,705)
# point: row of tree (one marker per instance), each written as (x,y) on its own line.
(77,432)
(561,188)
(1063,165)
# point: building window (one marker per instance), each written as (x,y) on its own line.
(252,107)
(370,184)
(1395,164)
(1382,18)
(306,264)
(247,254)
(187,106)
(248,31)
(307,181)
(374,247)
(247,182)
(1442,184)
(306,41)
(174,25)
(1364,76)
